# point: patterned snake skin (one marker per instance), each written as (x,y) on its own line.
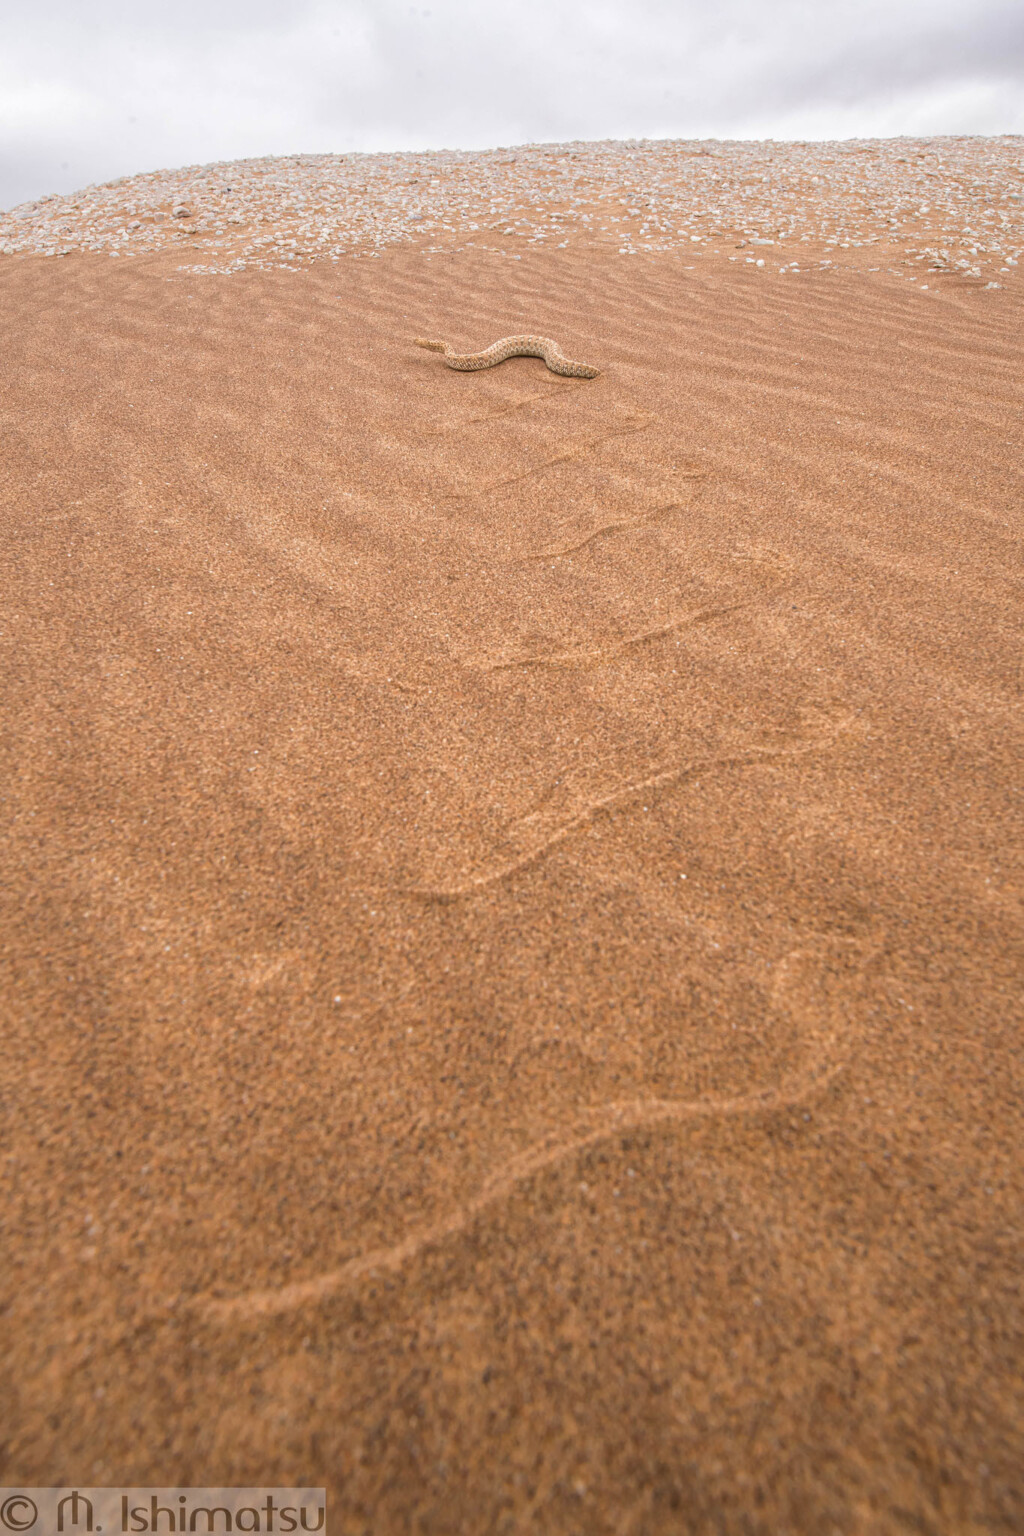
(512,346)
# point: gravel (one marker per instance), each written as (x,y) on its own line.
(950,205)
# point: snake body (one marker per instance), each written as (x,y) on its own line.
(512,346)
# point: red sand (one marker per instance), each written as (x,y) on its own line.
(511,914)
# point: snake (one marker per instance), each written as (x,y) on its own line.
(512,346)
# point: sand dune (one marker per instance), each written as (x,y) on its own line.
(511,916)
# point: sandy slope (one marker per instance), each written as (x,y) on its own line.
(912,208)
(511,911)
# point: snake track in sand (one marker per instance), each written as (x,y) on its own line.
(512,346)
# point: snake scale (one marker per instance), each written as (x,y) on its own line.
(512,346)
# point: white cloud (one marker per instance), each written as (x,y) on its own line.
(115,87)
(43,108)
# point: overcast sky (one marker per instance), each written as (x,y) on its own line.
(94,89)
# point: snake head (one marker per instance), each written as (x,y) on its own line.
(432,346)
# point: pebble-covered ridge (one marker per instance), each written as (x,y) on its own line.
(906,206)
